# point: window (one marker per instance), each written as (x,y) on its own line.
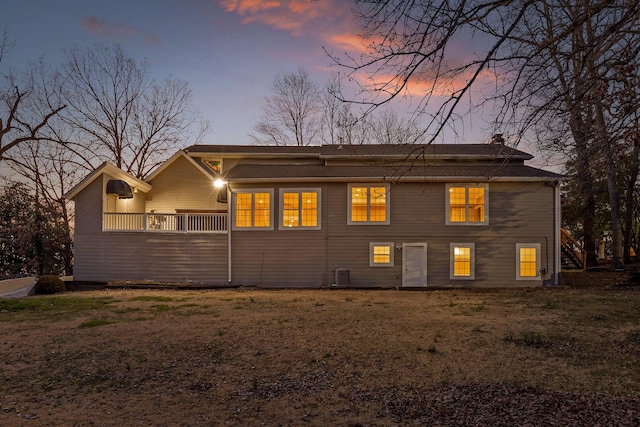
(252,209)
(368,204)
(462,261)
(300,209)
(467,204)
(381,254)
(528,261)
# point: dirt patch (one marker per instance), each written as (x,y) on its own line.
(322,357)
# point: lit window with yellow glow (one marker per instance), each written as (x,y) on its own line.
(368,204)
(463,261)
(528,261)
(381,254)
(252,209)
(299,209)
(466,204)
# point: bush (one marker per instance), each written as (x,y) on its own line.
(49,285)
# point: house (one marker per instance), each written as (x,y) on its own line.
(440,215)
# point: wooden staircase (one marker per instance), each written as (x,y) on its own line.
(574,256)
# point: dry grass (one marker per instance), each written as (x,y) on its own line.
(321,357)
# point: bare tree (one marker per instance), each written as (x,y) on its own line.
(339,124)
(389,128)
(25,106)
(291,115)
(549,59)
(119,113)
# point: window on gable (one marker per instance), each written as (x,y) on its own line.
(467,204)
(368,204)
(527,261)
(300,209)
(381,254)
(252,209)
(462,261)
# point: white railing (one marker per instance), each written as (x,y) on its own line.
(165,222)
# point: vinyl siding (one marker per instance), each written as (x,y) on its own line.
(88,209)
(518,213)
(182,186)
(281,258)
(148,256)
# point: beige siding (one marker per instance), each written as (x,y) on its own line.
(182,186)
(279,258)
(198,258)
(518,213)
(88,209)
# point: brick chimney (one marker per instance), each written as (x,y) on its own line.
(497,139)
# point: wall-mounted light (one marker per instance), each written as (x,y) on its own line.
(222,195)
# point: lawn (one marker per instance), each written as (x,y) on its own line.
(322,357)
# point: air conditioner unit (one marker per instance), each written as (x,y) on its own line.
(342,277)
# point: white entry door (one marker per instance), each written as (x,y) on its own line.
(414,264)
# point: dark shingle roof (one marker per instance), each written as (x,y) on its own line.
(430,150)
(257,172)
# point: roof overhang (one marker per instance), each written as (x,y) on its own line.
(115,172)
(178,155)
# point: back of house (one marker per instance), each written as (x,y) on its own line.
(440,215)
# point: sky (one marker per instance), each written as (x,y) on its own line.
(229,51)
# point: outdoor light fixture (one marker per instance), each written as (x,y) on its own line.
(220,184)
(119,188)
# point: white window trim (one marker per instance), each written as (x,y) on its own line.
(281,192)
(388,205)
(467,222)
(452,246)
(538,276)
(252,191)
(391,254)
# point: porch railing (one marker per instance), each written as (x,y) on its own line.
(165,222)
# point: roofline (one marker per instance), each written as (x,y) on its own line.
(241,155)
(396,179)
(110,169)
(418,151)
(417,155)
(176,156)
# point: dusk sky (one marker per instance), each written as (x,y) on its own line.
(228,50)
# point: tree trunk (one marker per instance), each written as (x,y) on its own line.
(585,180)
(605,144)
(629,204)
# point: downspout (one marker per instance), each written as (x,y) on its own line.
(556,234)
(229,227)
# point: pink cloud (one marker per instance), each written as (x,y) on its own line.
(115,31)
(298,17)
(244,7)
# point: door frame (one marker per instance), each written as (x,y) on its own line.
(404,263)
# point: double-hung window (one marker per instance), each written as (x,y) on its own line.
(253,209)
(381,254)
(300,209)
(368,204)
(463,261)
(467,204)
(528,261)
